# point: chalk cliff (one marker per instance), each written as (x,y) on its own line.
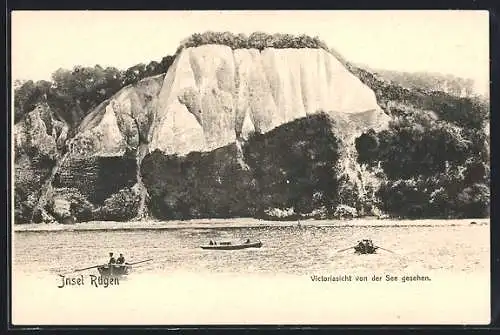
(212,96)
(38,143)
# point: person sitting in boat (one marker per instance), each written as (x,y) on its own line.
(369,244)
(211,242)
(120,260)
(361,246)
(112,260)
(247,241)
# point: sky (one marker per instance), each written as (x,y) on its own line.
(452,42)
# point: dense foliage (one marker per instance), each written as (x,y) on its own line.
(257,40)
(69,202)
(464,111)
(295,164)
(430,81)
(434,155)
(198,185)
(72,94)
(120,206)
(292,166)
(78,206)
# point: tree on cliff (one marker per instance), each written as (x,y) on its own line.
(257,40)
(462,87)
(27,95)
(74,93)
(435,163)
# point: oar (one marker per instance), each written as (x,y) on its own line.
(147,260)
(78,270)
(346,249)
(385,249)
(90,267)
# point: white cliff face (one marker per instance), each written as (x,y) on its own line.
(120,123)
(213,95)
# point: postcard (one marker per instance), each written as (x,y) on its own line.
(250,167)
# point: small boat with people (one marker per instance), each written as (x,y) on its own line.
(114,270)
(227,245)
(115,267)
(365,247)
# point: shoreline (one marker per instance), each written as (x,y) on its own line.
(242,223)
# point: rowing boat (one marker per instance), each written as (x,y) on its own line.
(231,246)
(114,270)
(365,247)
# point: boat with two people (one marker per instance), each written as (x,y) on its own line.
(114,267)
(365,246)
(228,245)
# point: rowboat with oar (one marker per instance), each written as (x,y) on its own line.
(365,247)
(232,246)
(113,270)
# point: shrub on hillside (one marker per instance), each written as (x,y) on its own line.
(434,154)
(295,161)
(280,213)
(292,166)
(345,212)
(121,206)
(474,201)
(67,202)
(198,185)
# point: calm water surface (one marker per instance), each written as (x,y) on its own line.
(290,250)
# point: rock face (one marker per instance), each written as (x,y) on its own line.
(213,95)
(38,141)
(104,156)
(119,124)
(211,98)
(40,134)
